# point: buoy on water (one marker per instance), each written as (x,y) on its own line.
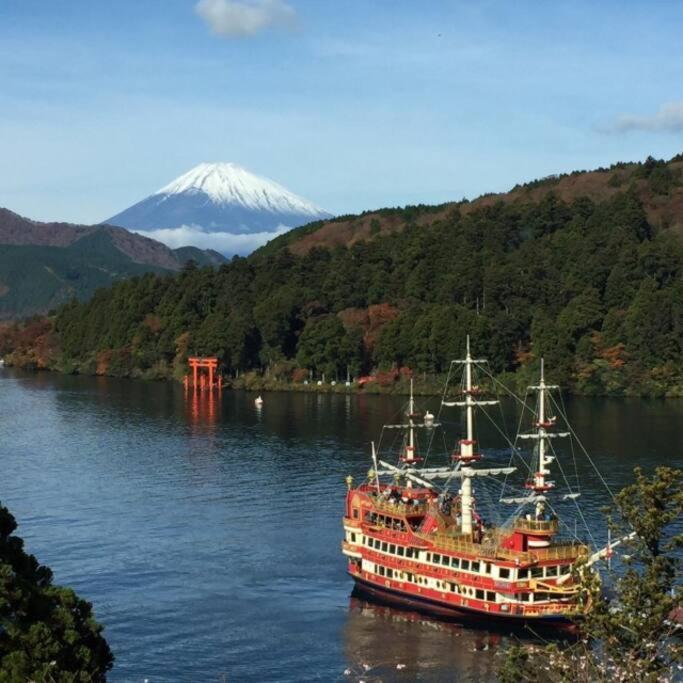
(258,401)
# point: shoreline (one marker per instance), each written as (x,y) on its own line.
(252,381)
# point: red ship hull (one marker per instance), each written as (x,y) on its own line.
(427,606)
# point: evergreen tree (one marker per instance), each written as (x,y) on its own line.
(564,280)
(629,638)
(47,633)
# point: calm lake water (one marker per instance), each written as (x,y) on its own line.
(207,534)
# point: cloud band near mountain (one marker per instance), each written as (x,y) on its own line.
(224,242)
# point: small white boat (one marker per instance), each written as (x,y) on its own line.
(258,401)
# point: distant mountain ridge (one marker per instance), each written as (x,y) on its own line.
(220,198)
(584,271)
(657,183)
(43,265)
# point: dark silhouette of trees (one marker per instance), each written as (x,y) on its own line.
(47,633)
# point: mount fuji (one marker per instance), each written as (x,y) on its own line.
(218,206)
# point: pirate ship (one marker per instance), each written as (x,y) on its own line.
(413,541)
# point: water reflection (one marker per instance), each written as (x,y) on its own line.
(207,533)
(388,644)
(203,407)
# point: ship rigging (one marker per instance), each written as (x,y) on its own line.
(415,534)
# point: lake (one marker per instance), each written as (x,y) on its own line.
(207,533)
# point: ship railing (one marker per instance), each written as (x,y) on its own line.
(492,550)
(545,526)
(561,551)
(462,544)
(400,508)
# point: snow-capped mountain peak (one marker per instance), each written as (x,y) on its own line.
(228,183)
(220,206)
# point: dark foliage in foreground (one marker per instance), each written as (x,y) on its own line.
(630,638)
(47,633)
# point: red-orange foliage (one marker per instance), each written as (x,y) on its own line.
(523,354)
(354,318)
(379,315)
(387,377)
(369,320)
(299,374)
(32,343)
(614,355)
(103,362)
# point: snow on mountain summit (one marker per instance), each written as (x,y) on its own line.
(217,206)
(228,183)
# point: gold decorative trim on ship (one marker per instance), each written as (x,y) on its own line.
(537,526)
(561,551)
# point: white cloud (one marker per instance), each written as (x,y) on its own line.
(240,18)
(669,119)
(224,242)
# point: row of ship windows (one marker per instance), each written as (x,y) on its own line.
(434,558)
(457,563)
(450,586)
(543,572)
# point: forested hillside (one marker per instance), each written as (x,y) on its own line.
(594,287)
(656,183)
(35,279)
(43,265)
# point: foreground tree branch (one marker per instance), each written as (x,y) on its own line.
(630,637)
(47,633)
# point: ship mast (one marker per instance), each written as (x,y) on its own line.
(409,456)
(542,461)
(463,458)
(467,446)
(467,455)
(539,483)
(410,447)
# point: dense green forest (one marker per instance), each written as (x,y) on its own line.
(39,277)
(44,265)
(592,287)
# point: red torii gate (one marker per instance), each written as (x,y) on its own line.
(211,364)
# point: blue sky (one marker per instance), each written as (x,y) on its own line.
(353,105)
